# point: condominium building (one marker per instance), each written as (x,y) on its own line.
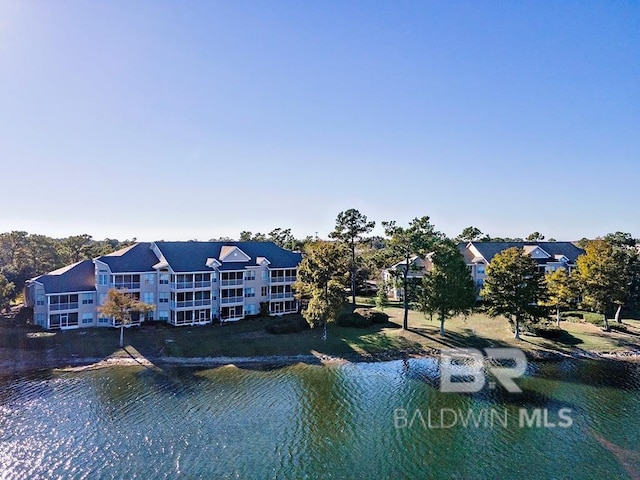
(549,256)
(189,283)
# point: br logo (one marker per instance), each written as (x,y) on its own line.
(463,370)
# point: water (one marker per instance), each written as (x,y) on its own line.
(312,422)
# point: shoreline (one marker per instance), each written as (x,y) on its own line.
(79,364)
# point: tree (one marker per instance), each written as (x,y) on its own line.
(626,254)
(6,291)
(43,254)
(381,296)
(535,237)
(321,279)
(119,305)
(621,239)
(469,234)
(76,248)
(417,239)
(350,226)
(601,274)
(513,287)
(561,290)
(448,289)
(282,237)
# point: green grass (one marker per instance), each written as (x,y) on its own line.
(248,338)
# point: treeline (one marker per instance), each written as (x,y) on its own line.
(606,278)
(356,263)
(24,256)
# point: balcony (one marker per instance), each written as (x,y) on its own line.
(185,304)
(277,296)
(63,306)
(181,285)
(127,285)
(228,300)
(231,283)
(202,284)
(202,303)
(283,279)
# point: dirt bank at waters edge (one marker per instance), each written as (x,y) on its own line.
(130,357)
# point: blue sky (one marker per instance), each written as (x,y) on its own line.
(181,120)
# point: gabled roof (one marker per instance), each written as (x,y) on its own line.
(234,253)
(489,249)
(136,258)
(192,256)
(412,261)
(79,277)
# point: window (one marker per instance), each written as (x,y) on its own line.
(147,297)
(40,298)
(163,297)
(265,275)
(480,269)
(126,281)
(40,319)
(251,309)
(231,278)
(250,275)
(87,299)
(63,320)
(249,292)
(164,279)
(231,312)
(103,277)
(163,315)
(264,291)
(149,278)
(103,320)
(102,298)
(63,302)
(87,318)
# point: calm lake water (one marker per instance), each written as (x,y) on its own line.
(377,420)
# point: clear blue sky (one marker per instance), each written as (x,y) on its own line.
(181,120)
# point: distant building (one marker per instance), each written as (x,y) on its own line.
(392,276)
(189,283)
(549,256)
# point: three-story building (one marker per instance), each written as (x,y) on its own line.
(189,283)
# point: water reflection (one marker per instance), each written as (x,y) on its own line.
(308,421)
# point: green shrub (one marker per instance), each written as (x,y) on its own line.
(547,332)
(362,318)
(376,316)
(294,324)
(353,320)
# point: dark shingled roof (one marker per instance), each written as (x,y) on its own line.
(136,258)
(568,249)
(79,277)
(192,256)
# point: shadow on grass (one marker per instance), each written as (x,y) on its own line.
(453,339)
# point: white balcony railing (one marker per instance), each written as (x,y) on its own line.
(63,306)
(227,300)
(127,285)
(283,279)
(275,296)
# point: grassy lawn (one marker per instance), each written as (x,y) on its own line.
(248,338)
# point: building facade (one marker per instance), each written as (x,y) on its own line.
(189,283)
(549,256)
